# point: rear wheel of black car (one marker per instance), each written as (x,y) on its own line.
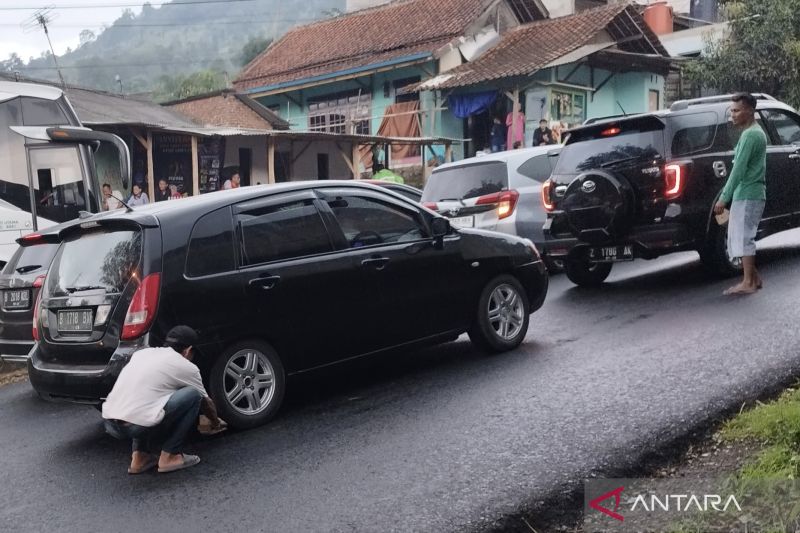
(247,383)
(502,316)
(714,255)
(584,273)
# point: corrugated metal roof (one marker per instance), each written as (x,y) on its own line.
(99,108)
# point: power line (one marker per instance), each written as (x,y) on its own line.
(95,6)
(171,24)
(128,65)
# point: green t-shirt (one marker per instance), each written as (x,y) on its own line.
(746,181)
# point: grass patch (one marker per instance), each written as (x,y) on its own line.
(773,424)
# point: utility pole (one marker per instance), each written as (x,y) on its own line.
(42,18)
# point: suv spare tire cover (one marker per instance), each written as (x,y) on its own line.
(598,205)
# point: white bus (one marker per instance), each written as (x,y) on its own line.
(49,163)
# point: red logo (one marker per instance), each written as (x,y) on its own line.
(595,504)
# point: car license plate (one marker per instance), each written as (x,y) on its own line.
(606,254)
(75,320)
(463,222)
(17,299)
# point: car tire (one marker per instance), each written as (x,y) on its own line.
(586,274)
(714,254)
(502,316)
(247,383)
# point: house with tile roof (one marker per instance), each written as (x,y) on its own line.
(445,68)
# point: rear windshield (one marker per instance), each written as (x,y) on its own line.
(611,144)
(31,258)
(469,181)
(97,260)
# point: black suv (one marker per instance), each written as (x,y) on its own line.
(278,280)
(646,185)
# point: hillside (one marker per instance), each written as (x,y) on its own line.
(158,49)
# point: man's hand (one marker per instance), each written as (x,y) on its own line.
(719,208)
(208,408)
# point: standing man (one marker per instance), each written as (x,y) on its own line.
(746,191)
(542,135)
(498,136)
(156,401)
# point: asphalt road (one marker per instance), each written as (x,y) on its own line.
(443,439)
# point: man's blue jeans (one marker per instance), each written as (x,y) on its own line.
(180,415)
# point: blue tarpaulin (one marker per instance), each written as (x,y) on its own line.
(465,105)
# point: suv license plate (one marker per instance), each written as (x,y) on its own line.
(463,222)
(77,320)
(607,254)
(17,299)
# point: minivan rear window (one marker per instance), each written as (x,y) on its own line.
(612,143)
(31,258)
(96,260)
(468,181)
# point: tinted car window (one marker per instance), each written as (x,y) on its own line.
(692,133)
(734,132)
(468,181)
(538,168)
(211,245)
(608,144)
(785,125)
(101,259)
(283,231)
(366,221)
(31,258)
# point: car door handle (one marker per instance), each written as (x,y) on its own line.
(378,263)
(265,283)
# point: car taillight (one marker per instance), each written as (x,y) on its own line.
(37,283)
(506,202)
(547,201)
(674,179)
(142,309)
(430,205)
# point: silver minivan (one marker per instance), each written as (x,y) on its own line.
(500,191)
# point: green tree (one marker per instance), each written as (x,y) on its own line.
(761,52)
(253,48)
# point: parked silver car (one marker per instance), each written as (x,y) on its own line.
(499,192)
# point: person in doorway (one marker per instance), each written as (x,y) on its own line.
(156,400)
(139,197)
(109,202)
(516,129)
(162,193)
(233,183)
(745,191)
(498,136)
(543,135)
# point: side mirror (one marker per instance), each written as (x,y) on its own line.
(440,227)
(94,138)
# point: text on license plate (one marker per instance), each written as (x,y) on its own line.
(612,253)
(75,320)
(17,299)
(463,222)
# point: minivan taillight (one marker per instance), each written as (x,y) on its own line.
(37,284)
(506,202)
(674,180)
(142,309)
(547,201)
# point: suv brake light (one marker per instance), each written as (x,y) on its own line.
(674,179)
(142,309)
(37,283)
(506,202)
(546,197)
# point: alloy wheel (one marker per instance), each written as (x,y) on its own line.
(249,382)
(506,311)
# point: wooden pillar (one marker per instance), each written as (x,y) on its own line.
(356,160)
(514,95)
(151,180)
(270,159)
(195,168)
(426,170)
(448,153)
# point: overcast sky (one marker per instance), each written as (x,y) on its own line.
(66,25)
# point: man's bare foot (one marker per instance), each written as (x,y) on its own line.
(741,288)
(142,462)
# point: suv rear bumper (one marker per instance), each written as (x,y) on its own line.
(86,384)
(648,242)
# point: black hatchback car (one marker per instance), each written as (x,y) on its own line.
(646,185)
(278,280)
(20,282)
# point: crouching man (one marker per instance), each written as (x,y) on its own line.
(156,401)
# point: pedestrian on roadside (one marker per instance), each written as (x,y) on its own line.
(232,183)
(162,193)
(138,197)
(498,135)
(745,191)
(156,400)
(109,202)
(542,135)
